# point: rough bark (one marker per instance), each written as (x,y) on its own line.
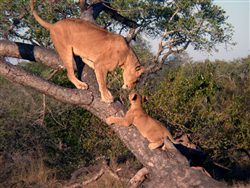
(30,52)
(72,96)
(165,171)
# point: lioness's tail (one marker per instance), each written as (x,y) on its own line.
(38,18)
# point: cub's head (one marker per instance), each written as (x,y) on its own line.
(131,76)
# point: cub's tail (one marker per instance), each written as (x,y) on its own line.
(38,18)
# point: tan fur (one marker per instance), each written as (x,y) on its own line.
(101,50)
(150,128)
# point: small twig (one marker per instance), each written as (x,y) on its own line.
(131,34)
(52,116)
(52,74)
(43,111)
(219,165)
(178,9)
(94,178)
(40,120)
(77,173)
(111,173)
(201,169)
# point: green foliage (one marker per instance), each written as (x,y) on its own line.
(200,23)
(210,101)
(17,13)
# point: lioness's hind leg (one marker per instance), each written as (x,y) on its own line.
(168,146)
(68,60)
(154,145)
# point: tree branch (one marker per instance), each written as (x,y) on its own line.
(164,171)
(138,178)
(30,52)
(72,96)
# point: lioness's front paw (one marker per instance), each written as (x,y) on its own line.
(82,85)
(107,97)
(109,120)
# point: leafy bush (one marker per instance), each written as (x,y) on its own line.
(210,101)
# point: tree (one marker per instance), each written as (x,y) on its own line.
(181,23)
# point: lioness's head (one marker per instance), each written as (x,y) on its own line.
(131,75)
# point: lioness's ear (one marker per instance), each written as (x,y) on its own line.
(134,97)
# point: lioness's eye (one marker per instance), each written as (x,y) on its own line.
(138,68)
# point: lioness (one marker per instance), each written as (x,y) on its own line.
(150,128)
(101,50)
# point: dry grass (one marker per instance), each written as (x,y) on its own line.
(19,170)
(107,181)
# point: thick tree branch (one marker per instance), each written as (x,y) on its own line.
(72,96)
(30,52)
(115,15)
(164,171)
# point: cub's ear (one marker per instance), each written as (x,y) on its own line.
(144,99)
(140,70)
(134,97)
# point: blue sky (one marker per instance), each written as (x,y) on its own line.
(239,17)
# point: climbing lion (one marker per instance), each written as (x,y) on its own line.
(153,130)
(101,50)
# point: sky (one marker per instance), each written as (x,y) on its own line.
(239,17)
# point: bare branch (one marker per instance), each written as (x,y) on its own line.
(131,34)
(73,96)
(30,52)
(138,178)
(177,10)
(182,49)
(162,45)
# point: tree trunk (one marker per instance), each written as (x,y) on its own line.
(165,171)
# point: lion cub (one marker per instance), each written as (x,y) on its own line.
(150,128)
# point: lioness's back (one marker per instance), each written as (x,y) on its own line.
(89,33)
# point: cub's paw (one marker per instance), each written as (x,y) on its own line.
(110,120)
